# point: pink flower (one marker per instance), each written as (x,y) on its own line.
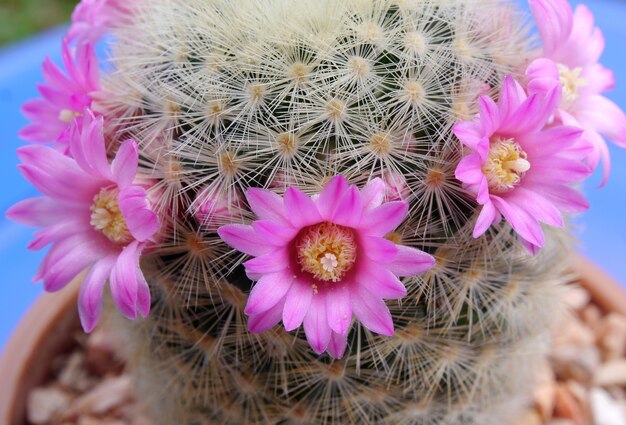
(64,96)
(518,168)
(571,40)
(92,19)
(94,218)
(321,260)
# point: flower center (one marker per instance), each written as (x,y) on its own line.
(327,251)
(571,83)
(506,165)
(67,115)
(107,217)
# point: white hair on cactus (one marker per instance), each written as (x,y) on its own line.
(233,94)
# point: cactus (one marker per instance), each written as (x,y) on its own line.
(227,95)
(221,96)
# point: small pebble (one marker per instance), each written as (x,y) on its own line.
(612,374)
(606,411)
(45,404)
(108,395)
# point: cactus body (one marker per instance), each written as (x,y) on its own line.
(227,95)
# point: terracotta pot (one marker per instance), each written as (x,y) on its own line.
(47,329)
(49,326)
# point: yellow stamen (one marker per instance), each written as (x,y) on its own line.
(107,217)
(571,83)
(506,165)
(327,251)
(67,115)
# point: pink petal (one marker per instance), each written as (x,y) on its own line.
(337,345)
(599,80)
(272,262)
(58,232)
(87,64)
(40,133)
(536,206)
(265,321)
(379,281)
(469,170)
(243,238)
(542,76)
(556,170)
(525,225)
(489,115)
(124,165)
(554,21)
(274,233)
(373,194)
(129,289)
(42,211)
(384,219)
(316,325)
(488,215)
(532,114)
(301,210)
(90,296)
(349,209)
(565,198)
(482,195)
(142,222)
(330,196)
(56,175)
(39,109)
(65,260)
(410,262)
(586,42)
(602,115)
(87,146)
(552,141)
(267,292)
(53,76)
(338,308)
(599,153)
(512,96)
(379,249)
(266,204)
(297,304)
(58,98)
(469,134)
(372,312)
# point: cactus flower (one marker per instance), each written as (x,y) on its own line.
(93,216)
(518,168)
(92,19)
(321,260)
(572,41)
(64,96)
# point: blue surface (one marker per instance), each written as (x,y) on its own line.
(602,230)
(20,69)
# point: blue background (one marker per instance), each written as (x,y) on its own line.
(602,230)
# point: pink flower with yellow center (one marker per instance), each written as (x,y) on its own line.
(65,96)
(93,19)
(94,217)
(574,44)
(322,260)
(518,168)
